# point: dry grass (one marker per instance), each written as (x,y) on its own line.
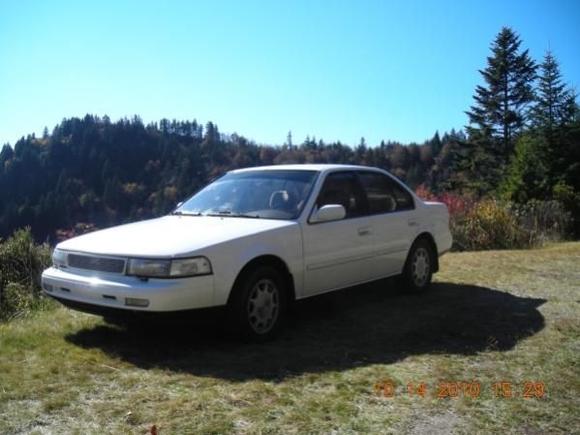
(492,316)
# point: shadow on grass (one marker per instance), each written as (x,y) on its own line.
(363,325)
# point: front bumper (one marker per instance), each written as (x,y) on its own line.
(114,291)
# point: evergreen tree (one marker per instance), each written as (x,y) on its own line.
(289,140)
(500,104)
(6,154)
(481,169)
(527,177)
(436,144)
(552,118)
(555,102)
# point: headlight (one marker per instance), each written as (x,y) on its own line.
(58,258)
(190,266)
(153,268)
(169,268)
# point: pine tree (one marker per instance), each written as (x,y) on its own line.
(555,102)
(500,104)
(552,117)
(477,169)
(436,144)
(211,133)
(527,177)
(288,143)
(6,154)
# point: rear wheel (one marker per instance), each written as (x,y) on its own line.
(258,305)
(418,269)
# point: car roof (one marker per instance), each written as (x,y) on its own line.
(319,167)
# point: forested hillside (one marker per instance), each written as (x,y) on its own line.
(522,143)
(102,172)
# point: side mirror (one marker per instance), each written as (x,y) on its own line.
(327,213)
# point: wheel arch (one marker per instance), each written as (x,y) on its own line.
(265,260)
(428,237)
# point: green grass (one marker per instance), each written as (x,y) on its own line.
(491,316)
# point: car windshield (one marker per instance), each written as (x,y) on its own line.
(274,194)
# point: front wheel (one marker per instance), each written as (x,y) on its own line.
(258,305)
(418,269)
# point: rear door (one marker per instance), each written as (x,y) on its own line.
(339,253)
(392,217)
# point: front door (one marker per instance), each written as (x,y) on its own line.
(339,253)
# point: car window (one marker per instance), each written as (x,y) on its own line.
(383,194)
(275,194)
(342,188)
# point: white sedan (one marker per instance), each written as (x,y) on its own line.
(254,241)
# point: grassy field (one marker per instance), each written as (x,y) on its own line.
(491,317)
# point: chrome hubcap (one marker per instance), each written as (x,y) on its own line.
(263,306)
(420,267)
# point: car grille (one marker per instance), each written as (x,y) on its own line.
(100,264)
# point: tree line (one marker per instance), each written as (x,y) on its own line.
(522,143)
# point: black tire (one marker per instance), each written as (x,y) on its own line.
(418,271)
(258,307)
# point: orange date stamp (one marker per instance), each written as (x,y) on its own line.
(387,388)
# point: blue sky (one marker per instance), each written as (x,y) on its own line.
(337,70)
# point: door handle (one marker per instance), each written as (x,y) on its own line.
(413,223)
(365,231)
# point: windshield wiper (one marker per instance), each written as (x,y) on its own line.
(180,213)
(229,213)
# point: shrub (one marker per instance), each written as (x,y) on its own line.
(570,198)
(547,220)
(21,264)
(490,224)
(16,299)
(457,205)
(495,224)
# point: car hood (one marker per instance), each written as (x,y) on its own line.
(169,236)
